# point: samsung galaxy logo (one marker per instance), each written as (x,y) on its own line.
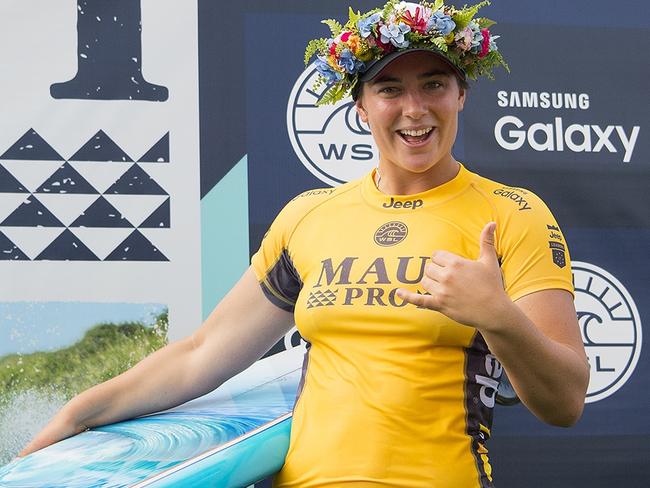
(528,99)
(514,196)
(511,133)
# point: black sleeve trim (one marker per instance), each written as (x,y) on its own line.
(282,283)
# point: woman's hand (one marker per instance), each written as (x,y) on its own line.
(58,428)
(465,290)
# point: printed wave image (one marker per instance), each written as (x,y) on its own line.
(51,351)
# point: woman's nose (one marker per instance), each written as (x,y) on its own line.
(414,106)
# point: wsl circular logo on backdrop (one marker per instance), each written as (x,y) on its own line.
(331,141)
(610,326)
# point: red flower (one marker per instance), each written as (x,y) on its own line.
(416,22)
(485,45)
(345,36)
(333,49)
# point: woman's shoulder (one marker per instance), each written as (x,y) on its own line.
(306,202)
(309,200)
(506,197)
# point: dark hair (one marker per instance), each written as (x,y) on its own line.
(356,91)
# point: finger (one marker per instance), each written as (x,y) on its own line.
(431,286)
(416,299)
(443,258)
(487,249)
(433,271)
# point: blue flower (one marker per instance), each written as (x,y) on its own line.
(330,74)
(349,62)
(493,44)
(477,37)
(365,25)
(441,22)
(395,34)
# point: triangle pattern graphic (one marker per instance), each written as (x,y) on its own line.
(136,247)
(9,184)
(32,174)
(159,152)
(66,179)
(32,240)
(66,208)
(101,147)
(10,202)
(101,214)
(136,208)
(136,181)
(9,251)
(103,242)
(100,176)
(32,146)
(32,213)
(67,247)
(159,219)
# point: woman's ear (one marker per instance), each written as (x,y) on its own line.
(363,115)
(461,99)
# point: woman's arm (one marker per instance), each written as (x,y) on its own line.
(239,331)
(536,339)
(538,342)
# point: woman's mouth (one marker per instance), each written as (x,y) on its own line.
(416,137)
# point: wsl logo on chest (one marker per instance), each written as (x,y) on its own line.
(391,233)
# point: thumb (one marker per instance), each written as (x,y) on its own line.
(487,250)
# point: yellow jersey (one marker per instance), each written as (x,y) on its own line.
(394,395)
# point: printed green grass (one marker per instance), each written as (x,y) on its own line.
(105,351)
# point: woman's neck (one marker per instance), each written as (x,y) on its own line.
(393,180)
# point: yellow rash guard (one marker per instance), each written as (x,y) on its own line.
(395,395)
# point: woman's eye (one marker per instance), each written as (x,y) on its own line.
(434,84)
(388,90)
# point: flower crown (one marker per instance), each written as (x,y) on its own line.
(462,39)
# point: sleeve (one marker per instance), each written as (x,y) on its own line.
(272,263)
(532,249)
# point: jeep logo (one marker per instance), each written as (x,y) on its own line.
(407,204)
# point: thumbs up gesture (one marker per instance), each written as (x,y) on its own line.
(467,291)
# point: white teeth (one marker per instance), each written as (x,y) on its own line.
(416,133)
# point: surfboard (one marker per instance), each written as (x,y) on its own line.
(230,438)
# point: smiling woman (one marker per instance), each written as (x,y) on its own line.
(414,286)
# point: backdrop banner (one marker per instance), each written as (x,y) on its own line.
(146,146)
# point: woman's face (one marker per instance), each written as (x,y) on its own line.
(412,109)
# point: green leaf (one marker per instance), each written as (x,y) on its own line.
(314,46)
(334,26)
(465,15)
(354,17)
(437,5)
(388,8)
(484,23)
(334,94)
(440,43)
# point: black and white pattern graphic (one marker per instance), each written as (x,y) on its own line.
(98,205)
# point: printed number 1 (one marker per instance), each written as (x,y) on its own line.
(109,55)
